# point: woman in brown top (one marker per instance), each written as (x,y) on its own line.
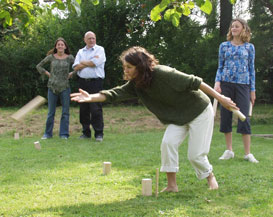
(60,61)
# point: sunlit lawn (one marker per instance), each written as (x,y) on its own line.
(65,178)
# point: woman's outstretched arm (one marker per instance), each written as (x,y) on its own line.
(83,96)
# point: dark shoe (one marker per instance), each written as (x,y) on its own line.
(84,137)
(99,139)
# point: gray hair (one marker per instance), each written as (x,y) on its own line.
(88,33)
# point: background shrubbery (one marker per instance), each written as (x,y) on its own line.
(192,47)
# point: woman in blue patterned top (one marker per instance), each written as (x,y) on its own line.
(235,78)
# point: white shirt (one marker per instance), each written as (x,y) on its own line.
(89,54)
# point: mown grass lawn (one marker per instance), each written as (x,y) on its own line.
(65,178)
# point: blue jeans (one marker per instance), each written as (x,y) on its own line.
(52,104)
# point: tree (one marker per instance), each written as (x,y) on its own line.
(225,16)
(22,12)
(262,37)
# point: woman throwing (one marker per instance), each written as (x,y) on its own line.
(60,61)
(177,100)
(235,78)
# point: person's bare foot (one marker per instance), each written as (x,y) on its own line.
(213,185)
(169,189)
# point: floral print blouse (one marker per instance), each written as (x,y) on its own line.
(236,64)
(59,70)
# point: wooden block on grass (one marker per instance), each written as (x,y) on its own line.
(106,168)
(37,145)
(16,136)
(147,187)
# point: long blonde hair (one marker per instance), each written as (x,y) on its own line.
(245,34)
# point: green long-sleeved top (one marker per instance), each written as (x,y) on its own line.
(59,70)
(174,97)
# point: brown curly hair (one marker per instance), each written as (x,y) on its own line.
(245,34)
(144,63)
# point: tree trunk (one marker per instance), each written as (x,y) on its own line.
(225,16)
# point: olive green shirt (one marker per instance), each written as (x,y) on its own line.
(174,97)
(59,70)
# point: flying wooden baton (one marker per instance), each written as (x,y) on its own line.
(31,105)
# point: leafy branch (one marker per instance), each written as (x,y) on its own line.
(172,10)
(23,10)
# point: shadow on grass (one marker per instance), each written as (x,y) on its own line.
(138,206)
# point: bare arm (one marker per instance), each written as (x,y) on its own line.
(84,64)
(83,96)
(217,87)
(79,67)
(252,97)
(88,63)
(225,101)
(47,73)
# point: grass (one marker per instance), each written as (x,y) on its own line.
(65,178)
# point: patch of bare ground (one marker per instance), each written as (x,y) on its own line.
(118,119)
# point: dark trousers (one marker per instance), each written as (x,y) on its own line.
(91,113)
(240,94)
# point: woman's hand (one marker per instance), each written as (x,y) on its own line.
(227,103)
(47,73)
(81,96)
(252,97)
(217,87)
(70,75)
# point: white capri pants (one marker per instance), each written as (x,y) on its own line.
(200,133)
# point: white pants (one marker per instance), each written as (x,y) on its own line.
(200,132)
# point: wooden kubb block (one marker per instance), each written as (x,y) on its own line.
(37,145)
(106,168)
(16,136)
(147,187)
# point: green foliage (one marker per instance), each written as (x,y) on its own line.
(189,47)
(18,9)
(109,22)
(206,7)
(19,79)
(175,9)
(185,49)
(95,2)
(262,37)
(22,12)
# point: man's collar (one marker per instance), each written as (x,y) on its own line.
(92,48)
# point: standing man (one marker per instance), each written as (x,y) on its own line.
(89,64)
